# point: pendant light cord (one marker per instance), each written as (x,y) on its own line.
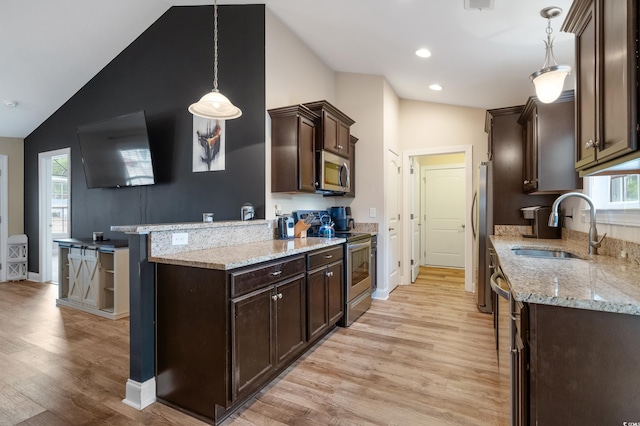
(215,46)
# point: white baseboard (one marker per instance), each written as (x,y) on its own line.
(140,395)
(380,294)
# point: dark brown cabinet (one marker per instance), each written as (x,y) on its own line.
(325,286)
(293,149)
(268,327)
(606,82)
(548,137)
(223,335)
(334,129)
(582,366)
(507,148)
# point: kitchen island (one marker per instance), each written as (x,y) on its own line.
(576,356)
(220,309)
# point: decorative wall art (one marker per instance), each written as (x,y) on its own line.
(208,145)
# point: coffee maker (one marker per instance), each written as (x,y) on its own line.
(341,217)
(540,222)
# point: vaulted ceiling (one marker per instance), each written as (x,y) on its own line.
(481,58)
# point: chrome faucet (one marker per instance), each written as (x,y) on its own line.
(594,243)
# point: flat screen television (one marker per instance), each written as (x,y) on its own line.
(115,152)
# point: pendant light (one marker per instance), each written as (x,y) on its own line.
(215,105)
(549,80)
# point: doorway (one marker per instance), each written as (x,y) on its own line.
(462,157)
(55,208)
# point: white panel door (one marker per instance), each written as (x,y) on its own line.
(416,259)
(393,199)
(445,217)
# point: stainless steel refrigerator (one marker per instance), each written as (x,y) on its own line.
(483,227)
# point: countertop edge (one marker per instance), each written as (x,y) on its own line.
(261,254)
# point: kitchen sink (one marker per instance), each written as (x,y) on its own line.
(553,254)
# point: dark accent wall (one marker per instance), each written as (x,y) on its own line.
(162,72)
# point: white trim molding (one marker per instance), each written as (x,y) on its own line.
(140,395)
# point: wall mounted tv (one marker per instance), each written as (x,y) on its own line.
(115,152)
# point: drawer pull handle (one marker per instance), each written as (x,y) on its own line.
(329,273)
(276,273)
(279,295)
(328,256)
(274,297)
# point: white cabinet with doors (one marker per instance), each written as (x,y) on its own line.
(94,278)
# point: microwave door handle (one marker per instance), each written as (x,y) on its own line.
(347,179)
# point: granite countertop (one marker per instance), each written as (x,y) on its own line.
(147,228)
(595,282)
(236,256)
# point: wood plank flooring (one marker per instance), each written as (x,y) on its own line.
(426,356)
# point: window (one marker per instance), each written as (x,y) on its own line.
(616,197)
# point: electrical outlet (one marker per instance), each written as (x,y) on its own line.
(372,212)
(179,239)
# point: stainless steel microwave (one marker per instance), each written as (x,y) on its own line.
(334,173)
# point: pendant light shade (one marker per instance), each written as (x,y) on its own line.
(549,80)
(214,105)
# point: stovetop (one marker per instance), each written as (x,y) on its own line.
(316,223)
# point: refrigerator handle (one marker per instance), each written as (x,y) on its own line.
(473,214)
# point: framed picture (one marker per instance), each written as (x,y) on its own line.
(208,145)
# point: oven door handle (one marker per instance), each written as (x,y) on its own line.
(358,246)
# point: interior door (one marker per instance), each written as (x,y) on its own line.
(445,216)
(416,259)
(393,197)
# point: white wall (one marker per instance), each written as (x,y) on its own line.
(431,125)
(294,75)
(13,148)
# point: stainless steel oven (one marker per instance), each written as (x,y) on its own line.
(357,294)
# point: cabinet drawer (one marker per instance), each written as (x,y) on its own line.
(324,257)
(247,280)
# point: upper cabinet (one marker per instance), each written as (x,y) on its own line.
(293,149)
(548,138)
(606,83)
(334,129)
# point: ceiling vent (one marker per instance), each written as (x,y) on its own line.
(478,4)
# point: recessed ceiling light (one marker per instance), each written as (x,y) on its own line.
(11,104)
(423,53)
(435,87)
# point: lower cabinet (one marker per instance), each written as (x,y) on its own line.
(325,298)
(582,367)
(268,327)
(221,336)
(94,280)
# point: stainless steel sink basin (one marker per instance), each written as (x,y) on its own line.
(549,254)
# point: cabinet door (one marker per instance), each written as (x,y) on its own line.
(306,155)
(291,324)
(617,82)
(343,145)
(75,277)
(586,131)
(335,292)
(317,303)
(252,336)
(330,132)
(530,170)
(91,279)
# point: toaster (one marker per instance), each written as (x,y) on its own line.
(285,229)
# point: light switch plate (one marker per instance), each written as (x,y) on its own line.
(179,239)
(372,212)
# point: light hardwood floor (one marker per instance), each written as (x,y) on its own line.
(426,356)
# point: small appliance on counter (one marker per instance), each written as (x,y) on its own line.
(285,228)
(247,212)
(341,216)
(539,217)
